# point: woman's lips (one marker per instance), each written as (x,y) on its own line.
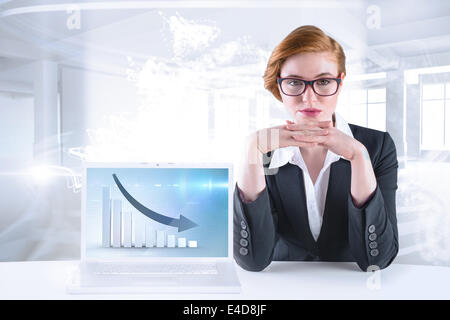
(311,112)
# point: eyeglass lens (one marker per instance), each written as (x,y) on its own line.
(324,87)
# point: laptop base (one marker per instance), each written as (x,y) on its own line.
(83,281)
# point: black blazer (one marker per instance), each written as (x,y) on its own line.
(275,226)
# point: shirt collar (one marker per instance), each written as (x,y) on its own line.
(282,156)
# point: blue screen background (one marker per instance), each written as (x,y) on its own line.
(199,194)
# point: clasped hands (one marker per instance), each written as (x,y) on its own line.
(308,133)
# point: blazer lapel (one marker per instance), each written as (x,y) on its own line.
(334,229)
(290,182)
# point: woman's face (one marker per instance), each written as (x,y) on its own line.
(311,66)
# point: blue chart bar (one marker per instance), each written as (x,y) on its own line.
(150,236)
(181,242)
(106,217)
(120,227)
(160,238)
(116,222)
(126,230)
(139,230)
(171,241)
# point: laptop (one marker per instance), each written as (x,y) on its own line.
(156,227)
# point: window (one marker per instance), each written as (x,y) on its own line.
(434,116)
(364,107)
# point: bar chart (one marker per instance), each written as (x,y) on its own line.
(125,228)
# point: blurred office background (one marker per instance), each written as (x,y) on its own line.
(149,81)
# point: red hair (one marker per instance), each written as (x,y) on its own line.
(304,39)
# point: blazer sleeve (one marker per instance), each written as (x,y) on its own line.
(254,231)
(373,233)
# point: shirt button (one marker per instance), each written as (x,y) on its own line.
(372,236)
(243,225)
(373,245)
(243,242)
(243,251)
(371,228)
(374,252)
(244,234)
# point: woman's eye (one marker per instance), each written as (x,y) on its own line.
(294,82)
(323,82)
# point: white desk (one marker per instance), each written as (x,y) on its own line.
(281,280)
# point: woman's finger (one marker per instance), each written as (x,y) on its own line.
(309,132)
(314,132)
(304,144)
(308,125)
(304,138)
(288,140)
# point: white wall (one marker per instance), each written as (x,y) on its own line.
(88,100)
(16,130)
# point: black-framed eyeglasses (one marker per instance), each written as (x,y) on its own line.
(322,87)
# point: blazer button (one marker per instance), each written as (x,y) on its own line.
(371,228)
(244,234)
(243,242)
(373,245)
(372,236)
(243,225)
(243,251)
(374,252)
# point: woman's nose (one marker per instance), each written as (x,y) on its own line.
(309,94)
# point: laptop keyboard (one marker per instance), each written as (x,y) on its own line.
(156,269)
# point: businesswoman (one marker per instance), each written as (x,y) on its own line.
(316,188)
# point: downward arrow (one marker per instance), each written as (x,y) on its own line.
(182,223)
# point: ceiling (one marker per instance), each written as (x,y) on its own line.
(32,30)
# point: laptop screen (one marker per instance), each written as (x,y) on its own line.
(156,212)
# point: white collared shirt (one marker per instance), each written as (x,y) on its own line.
(315,193)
